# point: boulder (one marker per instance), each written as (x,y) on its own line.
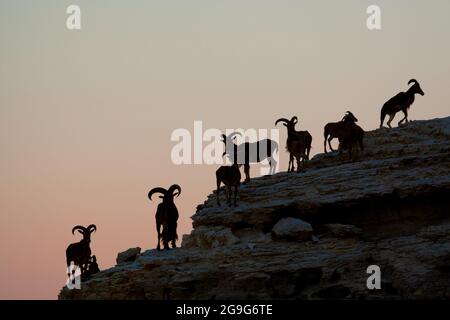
(128,256)
(292,229)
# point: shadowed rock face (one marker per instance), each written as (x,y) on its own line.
(390,208)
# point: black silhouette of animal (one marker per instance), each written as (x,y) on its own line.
(80,252)
(334,130)
(352,135)
(166,215)
(93,266)
(298,143)
(230,176)
(250,152)
(401,102)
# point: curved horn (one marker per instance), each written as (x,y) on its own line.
(282,120)
(231,135)
(92,228)
(294,119)
(348,115)
(83,229)
(156,190)
(174,188)
(412,81)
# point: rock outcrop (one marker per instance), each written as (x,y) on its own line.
(313,235)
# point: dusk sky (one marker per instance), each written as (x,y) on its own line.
(86,116)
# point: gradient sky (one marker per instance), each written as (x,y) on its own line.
(86,116)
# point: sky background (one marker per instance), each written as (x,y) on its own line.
(86,116)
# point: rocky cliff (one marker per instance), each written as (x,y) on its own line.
(312,235)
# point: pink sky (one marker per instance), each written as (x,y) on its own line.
(86,116)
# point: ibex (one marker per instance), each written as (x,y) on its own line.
(400,102)
(166,215)
(80,252)
(250,152)
(298,143)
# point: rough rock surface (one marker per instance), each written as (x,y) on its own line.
(128,255)
(391,208)
(292,229)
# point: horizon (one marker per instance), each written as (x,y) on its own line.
(87,115)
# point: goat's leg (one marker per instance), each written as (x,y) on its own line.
(158,230)
(69,263)
(298,163)
(329,143)
(291,163)
(325,144)
(165,233)
(218,193)
(82,269)
(173,234)
(350,149)
(236,186)
(340,147)
(273,165)
(405,118)
(247,172)
(229,195)
(391,117)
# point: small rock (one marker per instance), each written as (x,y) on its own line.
(343,230)
(128,256)
(292,229)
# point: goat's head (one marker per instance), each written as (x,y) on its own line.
(227,139)
(167,195)
(349,117)
(86,232)
(289,124)
(415,88)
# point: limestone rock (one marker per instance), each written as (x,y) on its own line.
(389,208)
(292,229)
(128,256)
(343,230)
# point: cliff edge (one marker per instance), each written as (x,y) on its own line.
(313,235)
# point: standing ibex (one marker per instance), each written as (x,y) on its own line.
(351,134)
(166,215)
(80,252)
(400,102)
(250,152)
(298,143)
(231,177)
(335,130)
